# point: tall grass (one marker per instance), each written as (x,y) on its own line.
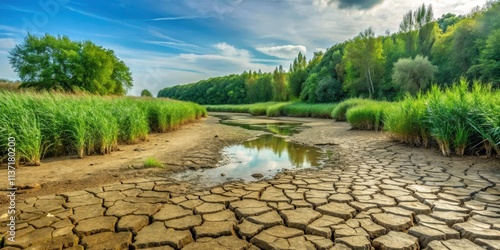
(273,109)
(319,110)
(459,119)
(368,116)
(340,111)
(52,124)
(406,121)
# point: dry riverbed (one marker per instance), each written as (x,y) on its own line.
(196,145)
(370,193)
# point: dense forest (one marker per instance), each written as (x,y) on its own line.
(424,51)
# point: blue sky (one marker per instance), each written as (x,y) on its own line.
(170,42)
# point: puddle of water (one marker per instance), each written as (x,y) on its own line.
(267,155)
(275,128)
(279,128)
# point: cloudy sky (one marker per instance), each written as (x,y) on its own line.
(170,42)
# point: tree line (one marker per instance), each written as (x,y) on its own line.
(424,51)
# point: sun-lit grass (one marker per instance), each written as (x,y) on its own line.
(273,109)
(319,110)
(460,119)
(53,124)
(277,109)
(406,121)
(152,162)
(340,111)
(368,115)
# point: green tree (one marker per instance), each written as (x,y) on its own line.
(407,29)
(50,62)
(328,90)
(447,20)
(488,67)
(364,64)
(297,75)
(309,86)
(427,30)
(280,84)
(413,75)
(146,93)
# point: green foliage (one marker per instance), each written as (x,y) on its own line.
(368,116)
(447,20)
(364,66)
(278,109)
(363,61)
(488,68)
(413,75)
(328,90)
(322,110)
(339,112)
(57,63)
(458,119)
(152,162)
(310,86)
(406,121)
(280,85)
(51,124)
(146,93)
(297,75)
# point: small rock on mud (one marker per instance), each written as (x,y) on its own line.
(257,175)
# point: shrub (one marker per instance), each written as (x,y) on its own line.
(152,163)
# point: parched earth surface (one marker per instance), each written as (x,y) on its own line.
(377,194)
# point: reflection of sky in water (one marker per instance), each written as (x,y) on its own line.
(265,155)
(275,128)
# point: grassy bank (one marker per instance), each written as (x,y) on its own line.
(273,109)
(51,124)
(459,119)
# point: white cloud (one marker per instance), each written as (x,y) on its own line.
(214,7)
(155,71)
(229,50)
(177,18)
(317,24)
(283,51)
(7,44)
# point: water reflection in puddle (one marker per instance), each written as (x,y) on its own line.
(275,128)
(266,155)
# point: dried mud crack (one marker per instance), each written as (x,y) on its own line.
(372,194)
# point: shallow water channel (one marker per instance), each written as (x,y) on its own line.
(267,155)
